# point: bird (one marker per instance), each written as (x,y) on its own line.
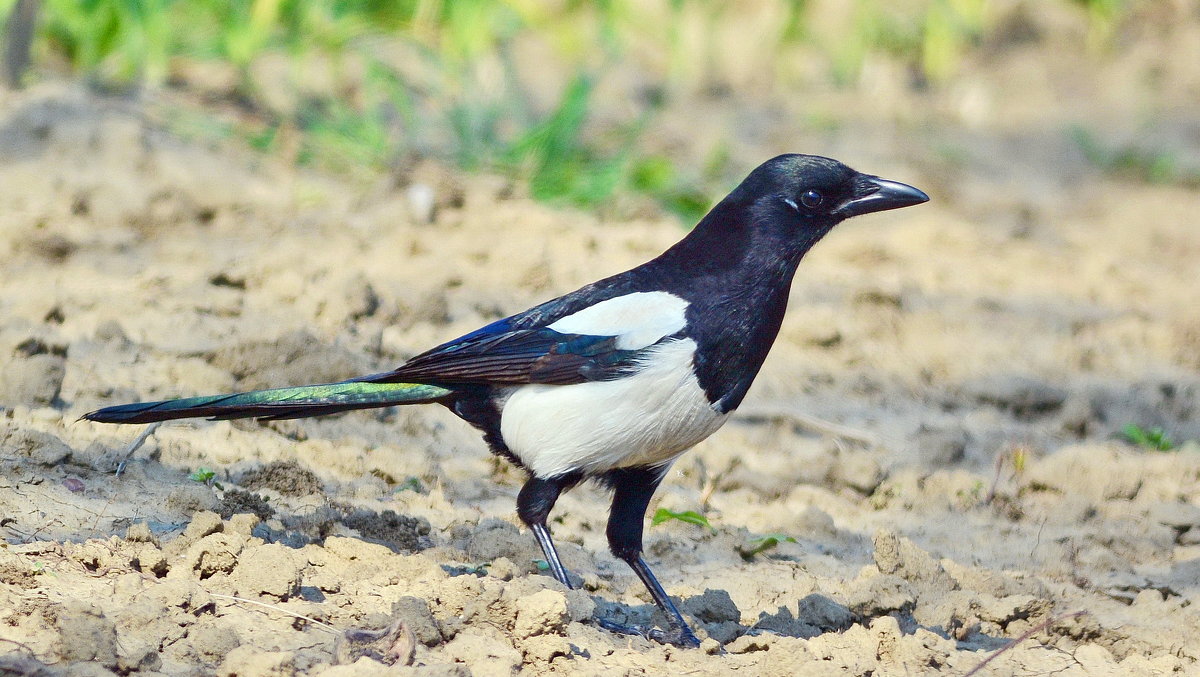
(614,381)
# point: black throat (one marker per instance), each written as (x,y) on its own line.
(735,270)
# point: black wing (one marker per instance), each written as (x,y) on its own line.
(497,355)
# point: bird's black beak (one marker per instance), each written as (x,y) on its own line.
(874,194)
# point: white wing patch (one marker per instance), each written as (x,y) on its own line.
(647,418)
(638,320)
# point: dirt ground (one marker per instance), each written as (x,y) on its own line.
(934,441)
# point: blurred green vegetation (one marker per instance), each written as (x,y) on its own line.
(1135,162)
(366,85)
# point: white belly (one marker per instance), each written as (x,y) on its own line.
(647,418)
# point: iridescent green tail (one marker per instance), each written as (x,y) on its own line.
(277,403)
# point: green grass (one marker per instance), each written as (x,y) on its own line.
(1135,163)
(206,476)
(398,79)
(662,515)
(760,544)
(1154,439)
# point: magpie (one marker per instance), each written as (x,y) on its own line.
(613,381)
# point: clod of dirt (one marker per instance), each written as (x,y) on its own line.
(43,448)
(250,660)
(881,595)
(242,523)
(203,523)
(270,569)
(139,532)
(150,559)
(1177,515)
(495,538)
(415,613)
(713,606)
(900,556)
(399,532)
(1091,473)
(87,635)
(941,447)
(211,643)
(824,613)
(286,477)
(213,554)
(782,622)
(542,613)
(190,498)
(236,501)
(34,380)
(15,571)
(858,471)
(1021,396)
(484,654)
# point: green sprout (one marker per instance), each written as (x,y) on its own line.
(206,476)
(689,516)
(761,544)
(1154,438)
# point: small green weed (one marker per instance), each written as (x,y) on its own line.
(206,476)
(689,516)
(1133,162)
(1155,439)
(761,544)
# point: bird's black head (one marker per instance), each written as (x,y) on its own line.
(767,224)
(816,193)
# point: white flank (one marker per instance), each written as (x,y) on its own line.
(639,319)
(649,417)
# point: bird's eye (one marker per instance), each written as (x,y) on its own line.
(811,199)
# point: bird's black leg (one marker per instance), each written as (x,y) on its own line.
(632,490)
(534,503)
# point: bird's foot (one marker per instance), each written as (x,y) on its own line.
(681,635)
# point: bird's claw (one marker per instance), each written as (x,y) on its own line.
(680,636)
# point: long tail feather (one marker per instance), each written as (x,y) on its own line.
(277,403)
